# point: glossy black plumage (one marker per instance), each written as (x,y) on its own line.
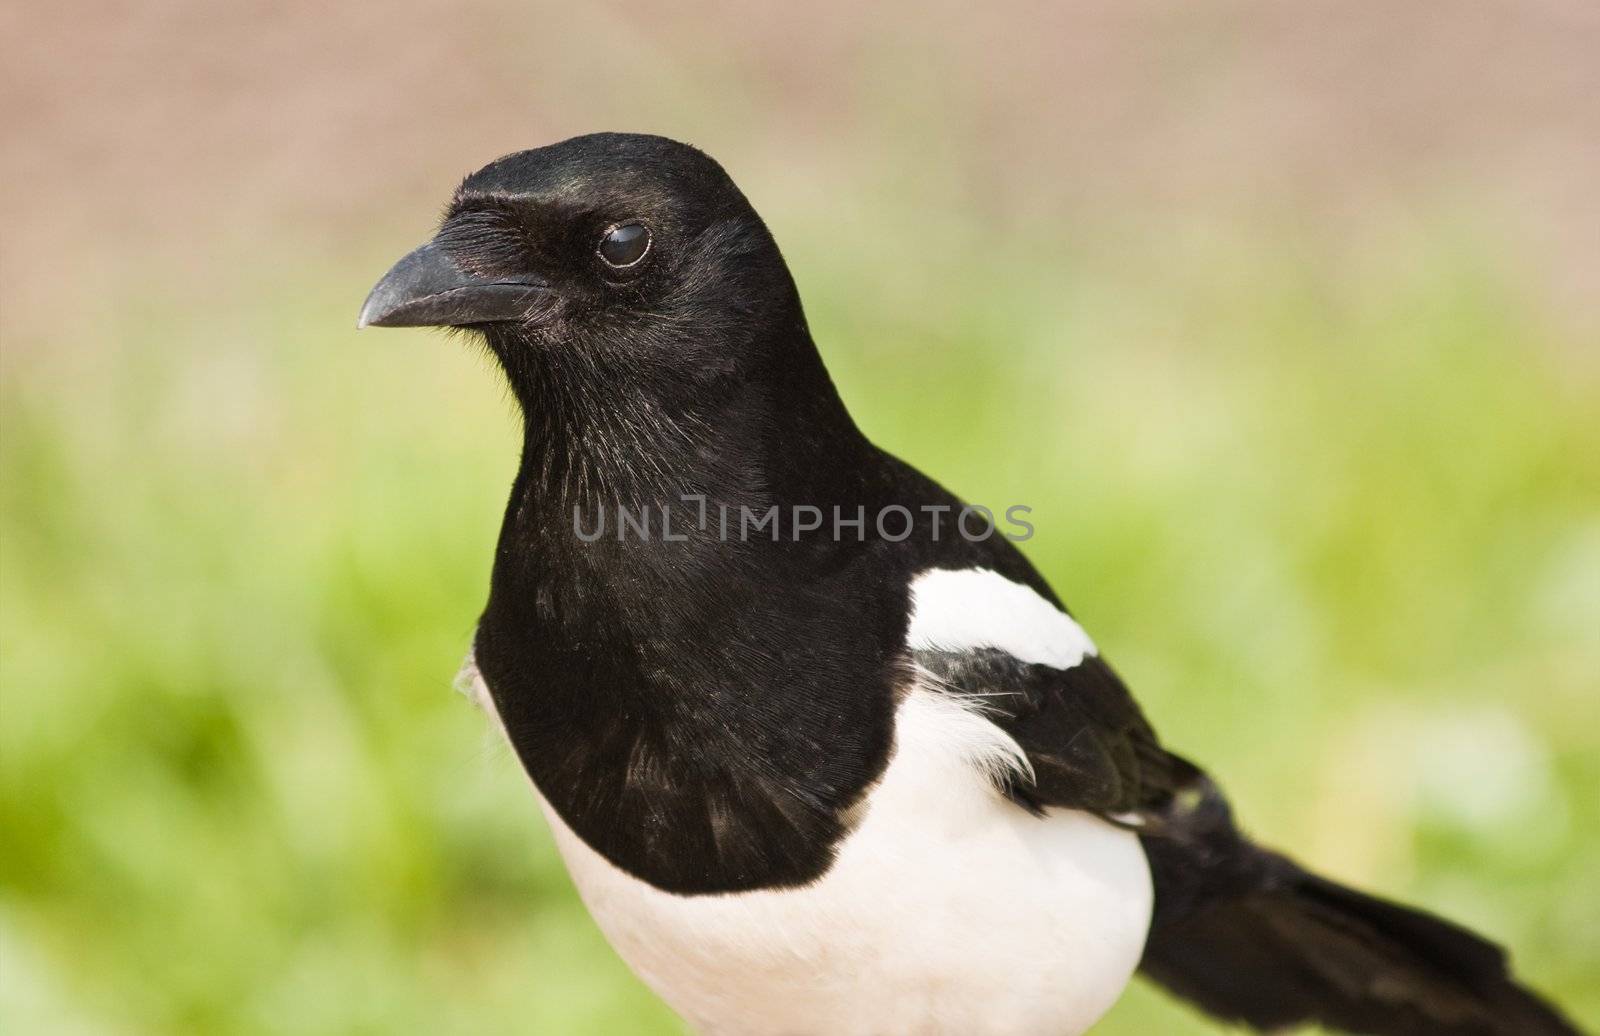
(706,713)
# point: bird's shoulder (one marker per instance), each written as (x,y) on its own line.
(984,626)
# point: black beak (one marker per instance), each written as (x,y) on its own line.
(426,289)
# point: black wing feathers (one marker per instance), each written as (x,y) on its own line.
(1090,746)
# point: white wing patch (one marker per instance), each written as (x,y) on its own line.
(970,608)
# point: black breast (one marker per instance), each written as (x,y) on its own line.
(705,727)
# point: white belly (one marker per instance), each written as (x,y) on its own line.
(949,910)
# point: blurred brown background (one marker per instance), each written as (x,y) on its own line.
(178,133)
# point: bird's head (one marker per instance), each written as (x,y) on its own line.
(608,265)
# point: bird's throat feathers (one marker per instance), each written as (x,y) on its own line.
(618,424)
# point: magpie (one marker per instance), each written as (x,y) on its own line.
(821,750)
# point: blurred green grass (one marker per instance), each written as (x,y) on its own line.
(1342,538)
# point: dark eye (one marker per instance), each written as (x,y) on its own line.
(625,244)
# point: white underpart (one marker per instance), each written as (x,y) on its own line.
(948,910)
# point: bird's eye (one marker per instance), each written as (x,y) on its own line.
(625,245)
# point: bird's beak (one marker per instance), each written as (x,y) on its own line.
(427,289)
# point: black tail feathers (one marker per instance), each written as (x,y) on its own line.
(1251,937)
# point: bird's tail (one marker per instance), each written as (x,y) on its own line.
(1251,937)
